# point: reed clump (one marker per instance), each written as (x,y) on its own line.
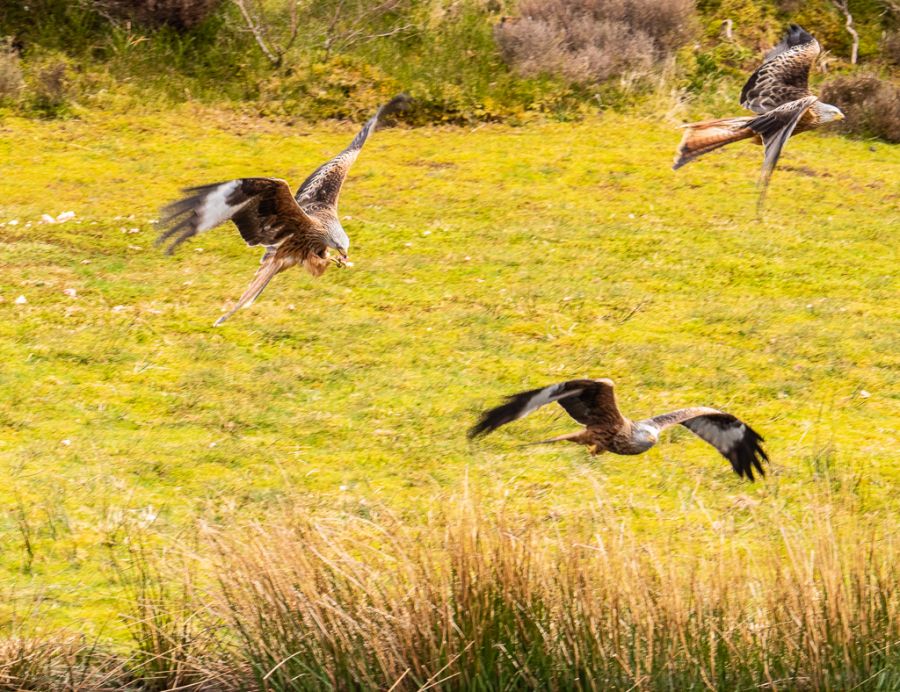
(471,602)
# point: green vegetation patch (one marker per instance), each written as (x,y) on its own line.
(487,261)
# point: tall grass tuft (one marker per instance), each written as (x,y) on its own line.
(172,647)
(56,661)
(477,602)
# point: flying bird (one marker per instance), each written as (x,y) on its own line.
(778,93)
(294,229)
(593,404)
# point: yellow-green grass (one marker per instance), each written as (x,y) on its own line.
(486,261)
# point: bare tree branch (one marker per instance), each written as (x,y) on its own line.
(260,30)
(727,28)
(343,23)
(845,10)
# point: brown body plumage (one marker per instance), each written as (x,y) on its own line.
(593,404)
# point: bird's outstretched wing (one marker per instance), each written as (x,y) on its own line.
(587,401)
(735,440)
(775,128)
(784,74)
(323,185)
(263,209)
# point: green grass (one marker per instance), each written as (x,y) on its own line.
(486,261)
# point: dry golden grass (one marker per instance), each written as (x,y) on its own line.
(470,601)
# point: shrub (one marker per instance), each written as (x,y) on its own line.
(872,105)
(10,72)
(593,40)
(181,14)
(47,86)
(890,47)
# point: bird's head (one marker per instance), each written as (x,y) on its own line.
(829,113)
(337,239)
(646,434)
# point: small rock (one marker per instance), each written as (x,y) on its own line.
(21,300)
(863,394)
(118,308)
(46,218)
(65,216)
(13,222)
(71,292)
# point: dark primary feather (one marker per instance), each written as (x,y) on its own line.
(590,402)
(523,403)
(745,452)
(784,74)
(263,209)
(323,186)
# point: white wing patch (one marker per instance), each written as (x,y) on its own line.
(722,438)
(548,395)
(215,209)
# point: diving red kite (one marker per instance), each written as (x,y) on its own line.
(778,92)
(294,229)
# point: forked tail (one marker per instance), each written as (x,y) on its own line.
(702,138)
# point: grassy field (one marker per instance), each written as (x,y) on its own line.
(486,261)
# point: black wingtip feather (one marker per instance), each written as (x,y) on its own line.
(493,418)
(399,103)
(749,455)
(500,415)
(796,35)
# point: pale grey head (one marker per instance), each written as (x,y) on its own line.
(828,113)
(336,238)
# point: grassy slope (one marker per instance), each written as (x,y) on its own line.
(486,261)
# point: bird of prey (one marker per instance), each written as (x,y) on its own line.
(293,229)
(593,404)
(778,93)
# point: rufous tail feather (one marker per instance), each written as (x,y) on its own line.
(702,138)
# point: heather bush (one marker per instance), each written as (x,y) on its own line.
(48,86)
(890,47)
(588,41)
(181,14)
(10,72)
(872,105)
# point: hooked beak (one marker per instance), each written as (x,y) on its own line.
(840,115)
(341,260)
